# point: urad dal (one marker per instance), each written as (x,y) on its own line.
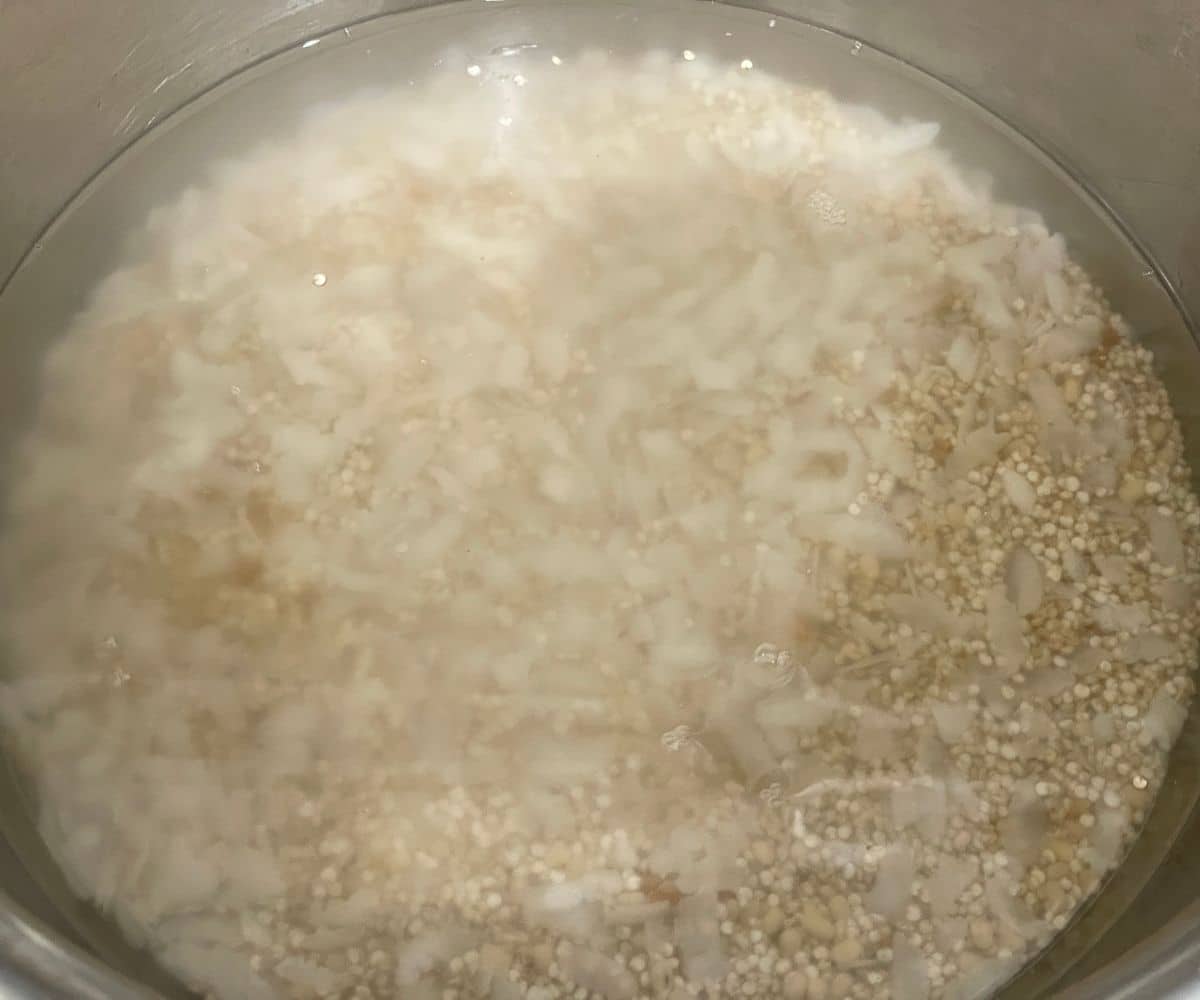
(622,530)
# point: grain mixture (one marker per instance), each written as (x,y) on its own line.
(606,531)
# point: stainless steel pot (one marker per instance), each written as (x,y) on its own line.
(1109,89)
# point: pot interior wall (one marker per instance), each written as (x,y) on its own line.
(78,249)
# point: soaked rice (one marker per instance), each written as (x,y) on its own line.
(666,535)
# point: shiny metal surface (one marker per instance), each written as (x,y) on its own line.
(36,963)
(1112,89)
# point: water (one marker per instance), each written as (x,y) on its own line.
(267,101)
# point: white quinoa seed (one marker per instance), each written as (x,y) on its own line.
(513,628)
